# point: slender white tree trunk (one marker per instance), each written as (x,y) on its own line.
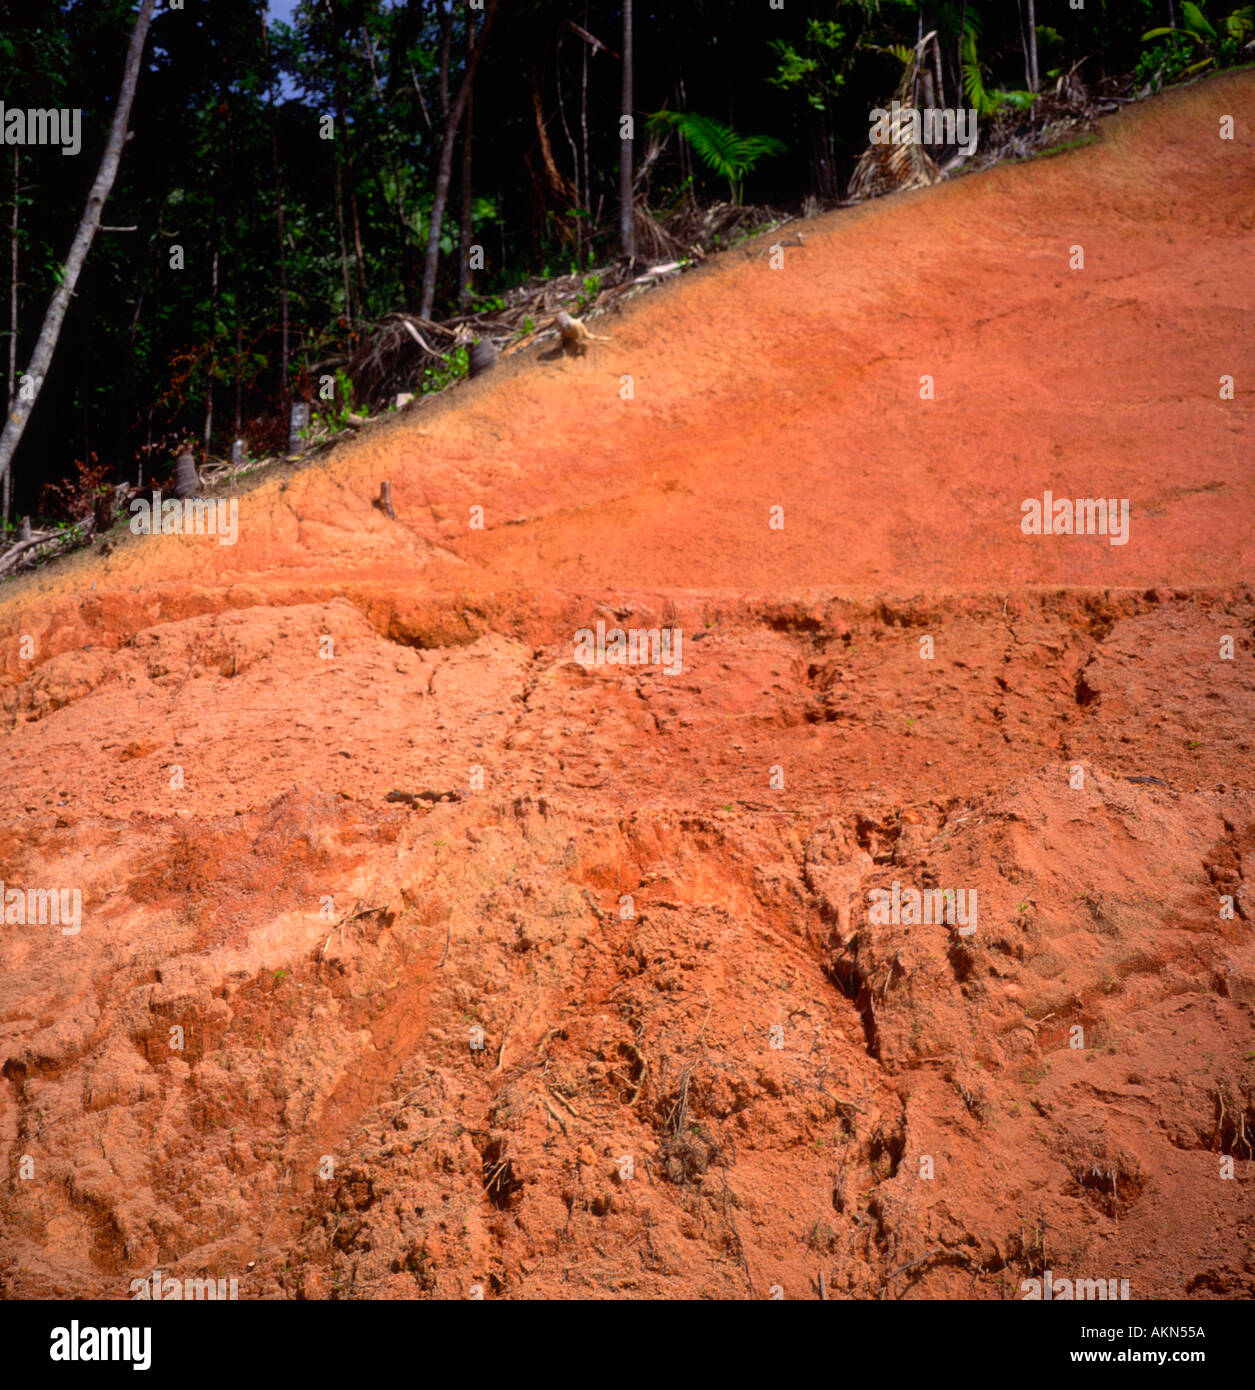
(45,346)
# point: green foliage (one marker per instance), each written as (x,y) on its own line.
(592,288)
(723,151)
(455,367)
(987,104)
(1195,20)
(815,68)
(1163,61)
(1194,44)
(335,415)
(1050,49)
(1240,23)
(984,102)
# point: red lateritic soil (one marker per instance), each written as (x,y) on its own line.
(801,1089)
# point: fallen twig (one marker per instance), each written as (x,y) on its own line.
(562,1101)
(555,1115)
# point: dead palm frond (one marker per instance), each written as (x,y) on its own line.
(899,162)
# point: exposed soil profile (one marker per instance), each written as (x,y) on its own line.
(622,1019)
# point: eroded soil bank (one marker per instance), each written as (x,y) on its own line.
(619,1020)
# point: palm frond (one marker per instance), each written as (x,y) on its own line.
(1195,20)
(973,79)
(724,151)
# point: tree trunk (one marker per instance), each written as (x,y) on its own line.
(213,343)
(85,394)
(344,246)
(468,199)
(686,169)
(561,187)
(588,186)
(1032,46)
(342,132)
(958,53)
(7,497)
(482,357)
(575,154)
(446,44)
(626,240)
(239,326)
(359,255)
(1028,38)
(369,45)
(919,57)
(445,171)
(185,483)
(148,278)
(238,363)
(279,218)
(422,104)
(41,358)
(941,81)
(128,366)
(13,290)
(102,513)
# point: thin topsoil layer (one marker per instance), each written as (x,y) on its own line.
(417,958)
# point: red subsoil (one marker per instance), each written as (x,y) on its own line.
(653,894)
